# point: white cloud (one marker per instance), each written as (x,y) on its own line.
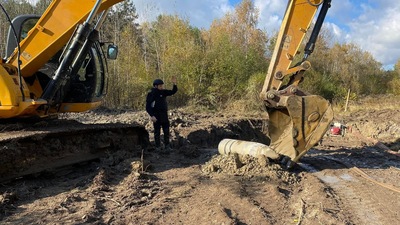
(376,29)
(338,33)
(271,13)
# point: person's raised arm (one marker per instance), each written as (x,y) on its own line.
(174,88)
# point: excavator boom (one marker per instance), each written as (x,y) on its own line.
(297,121)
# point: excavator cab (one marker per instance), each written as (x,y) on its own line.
(22,24)
(86,86)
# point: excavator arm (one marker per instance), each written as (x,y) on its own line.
(297,121)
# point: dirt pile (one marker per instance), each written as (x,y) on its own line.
(248,166)
(372,126)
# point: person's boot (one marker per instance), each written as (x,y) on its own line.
(157,143)
(168,148)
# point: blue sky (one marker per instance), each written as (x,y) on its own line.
(374,25)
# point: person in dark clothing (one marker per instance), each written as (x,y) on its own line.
(157,108)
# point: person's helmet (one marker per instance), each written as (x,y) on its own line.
(157,82)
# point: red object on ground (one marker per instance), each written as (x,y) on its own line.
(335,130)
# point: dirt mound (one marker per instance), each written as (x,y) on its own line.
(244,165)
(383,125)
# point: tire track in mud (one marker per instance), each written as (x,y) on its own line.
(257,205)
(371,203)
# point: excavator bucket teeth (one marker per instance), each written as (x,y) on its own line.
(300,126)
(32,151)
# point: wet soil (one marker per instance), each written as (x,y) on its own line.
(351,179)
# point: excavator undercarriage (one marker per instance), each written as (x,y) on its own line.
(29,148)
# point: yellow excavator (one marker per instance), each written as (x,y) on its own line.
(297,120)
(56,63)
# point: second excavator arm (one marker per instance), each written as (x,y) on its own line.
(297,121)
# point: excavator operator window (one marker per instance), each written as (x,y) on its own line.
(101,68)
(88,84)
(22,25)
(26,27)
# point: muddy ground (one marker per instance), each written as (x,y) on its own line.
(351,179)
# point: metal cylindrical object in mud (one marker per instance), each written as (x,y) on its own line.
(254,149)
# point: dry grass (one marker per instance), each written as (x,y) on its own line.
(246,107)
(254,108)
(369,103)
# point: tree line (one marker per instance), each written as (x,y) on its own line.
(223,65)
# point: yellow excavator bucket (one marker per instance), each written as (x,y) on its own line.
(293,130)
(300,126)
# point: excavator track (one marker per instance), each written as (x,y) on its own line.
(44,146)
